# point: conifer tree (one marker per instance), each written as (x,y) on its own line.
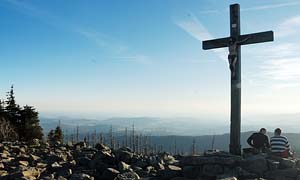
(51,136)
(12,109)
(2,110)
(55,135)
(58,135)
(29,127)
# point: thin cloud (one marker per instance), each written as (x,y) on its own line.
(141,59)
(280,66)
(288,27)
(102,40)
(284,69)
(271,6)
(211,11)
(195,28)
(255,8)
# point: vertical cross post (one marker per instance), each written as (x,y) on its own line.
(235,115)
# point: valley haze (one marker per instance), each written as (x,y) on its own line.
(185,126)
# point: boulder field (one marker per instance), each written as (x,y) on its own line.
(39,160)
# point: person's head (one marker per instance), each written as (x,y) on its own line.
(277,131)
(263,131)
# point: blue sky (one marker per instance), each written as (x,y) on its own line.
(144,58)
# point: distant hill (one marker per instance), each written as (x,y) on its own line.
(146,125)
(184,143)
(165,131)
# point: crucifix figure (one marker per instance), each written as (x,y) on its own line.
(234,43)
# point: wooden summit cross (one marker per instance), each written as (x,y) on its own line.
(234,43)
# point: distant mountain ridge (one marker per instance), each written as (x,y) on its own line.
(147,125)
(163,132)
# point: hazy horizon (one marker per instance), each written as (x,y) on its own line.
(289,123)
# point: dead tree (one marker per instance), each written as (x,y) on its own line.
(213,142)
(111,137)
(72,138)
(160,148)
(77,133)
(67,136)
(7,132)
(132,138)
(126,137)
(194,147)
(136,143)
(175,147)
(145,145)
(88,139)
(140,142)
(94,138)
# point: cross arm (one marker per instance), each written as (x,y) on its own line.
(215,43)
(256,38)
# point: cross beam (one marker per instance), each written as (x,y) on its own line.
(242,40)
(234,43)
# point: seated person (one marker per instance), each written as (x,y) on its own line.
(279,144)
(259,141)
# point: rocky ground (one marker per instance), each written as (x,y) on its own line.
(41,161)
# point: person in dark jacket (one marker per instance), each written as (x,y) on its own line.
(259,141)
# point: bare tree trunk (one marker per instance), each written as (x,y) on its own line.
(194,147)
(126,138)
(133,139)
(77,134)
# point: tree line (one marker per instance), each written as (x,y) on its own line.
(18,122)
(129,137)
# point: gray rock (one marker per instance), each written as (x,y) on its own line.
(64,172)
(192,171)
(183,178)
(23,163)
(105,157)
(31,172)
(61,178)
(102,147)
(83,161)
(52,158)
(34,157)
(81,176)
(150,169)
(200,160)
(168,159)
(212,170)
(287,163)
(55,165)
(255,164)
(35,142)
(284,173)
(170,172)
(123,167)
(272,164)
(123,154)
(140,163)
(227,178)
(128,176)
(110,173)
(140,171)
(3,173)
(1,166)
(159,166)
(80,145)
(41,165)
